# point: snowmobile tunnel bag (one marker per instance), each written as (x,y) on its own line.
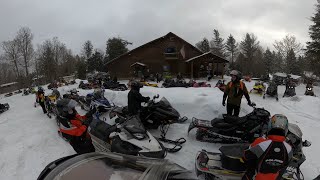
(230,157)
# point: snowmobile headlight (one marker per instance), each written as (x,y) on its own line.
(139,136)
(309,89)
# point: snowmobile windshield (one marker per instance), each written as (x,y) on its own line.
(164,102)
(134,125)
(294,129)
(110,166)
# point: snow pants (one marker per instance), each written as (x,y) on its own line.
(43,107)
(233,110)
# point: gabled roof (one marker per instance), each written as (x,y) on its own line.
(169,34)
(138,63)
(209,55)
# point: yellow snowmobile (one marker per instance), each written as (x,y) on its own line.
(145,83)
(258,88)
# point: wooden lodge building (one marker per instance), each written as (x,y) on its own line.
(169,53)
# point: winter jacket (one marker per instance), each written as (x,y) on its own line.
(234,91)
(72,127)
(266,157)
(134,101)
(40,97)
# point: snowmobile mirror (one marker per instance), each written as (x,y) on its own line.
(306,143)
(156,96)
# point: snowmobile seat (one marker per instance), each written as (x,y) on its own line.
(231,155)
(234,119)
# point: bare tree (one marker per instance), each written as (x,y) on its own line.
(11,53)
(286,44)
(87,49)
(24,38)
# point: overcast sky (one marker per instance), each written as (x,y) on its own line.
(140,21)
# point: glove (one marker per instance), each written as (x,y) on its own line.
(223,103)
(87,122)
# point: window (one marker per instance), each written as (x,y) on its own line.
(171,53)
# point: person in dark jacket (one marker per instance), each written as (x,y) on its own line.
(266,157)
(41,99)
(234,90)
(135,98)
(73,126)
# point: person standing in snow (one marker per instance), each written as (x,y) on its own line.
(266,157)
(41,99)
(233,93)
(74,127)
(135,98)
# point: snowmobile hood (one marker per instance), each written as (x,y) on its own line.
(165,102)
(294,129)
(112,166)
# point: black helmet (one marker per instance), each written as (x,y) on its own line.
(66,107)
(135,85)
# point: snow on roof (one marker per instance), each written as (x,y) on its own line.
(280,74)
(8,84)
(191,59)
(138,63)
(294,76)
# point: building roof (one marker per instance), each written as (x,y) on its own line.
(8,84)
(138,63)
(209,55)
(169,34)
(295,76)
(280,74)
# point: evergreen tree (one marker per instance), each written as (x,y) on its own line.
(87,49)
(203,45)
(217,44)
(95,62)
(116,47)
(268,60)
(291,62)
(313,47)
(232,48)
(249,46)
(278,64)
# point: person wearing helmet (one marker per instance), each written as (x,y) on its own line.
(56,92)
(73,126)
(135,98)
(41,99)
(266,157)
(233,93)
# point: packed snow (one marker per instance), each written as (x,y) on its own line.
(29,139)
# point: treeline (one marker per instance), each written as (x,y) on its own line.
(250,58)
(21,61)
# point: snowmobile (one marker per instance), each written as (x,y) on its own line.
(83,85)
(290,90)
(51,107)
(18,91)
(94,100)
(72,94)
(198,84)
(231,129)
(168,83)
(156,113)
(221,85)
(4,107)
(115,86)
(26,92)
(145,83)
(272,90)
(227,164)
(8,94)
(309,90)
(125,136)
(258,88)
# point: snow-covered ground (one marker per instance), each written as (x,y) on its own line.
(29,139)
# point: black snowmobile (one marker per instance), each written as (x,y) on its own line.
(227,165)
(126,136)
(309,90)
(231,129)
(156,114)
(272,90)
(115,86)
(83,85)
(168,83)
(290,90)
(51,107)
(72,94)
(4,107)
(26,92)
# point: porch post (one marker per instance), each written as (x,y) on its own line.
(191,69)
(223,64)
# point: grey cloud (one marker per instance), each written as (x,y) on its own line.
(140,21)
